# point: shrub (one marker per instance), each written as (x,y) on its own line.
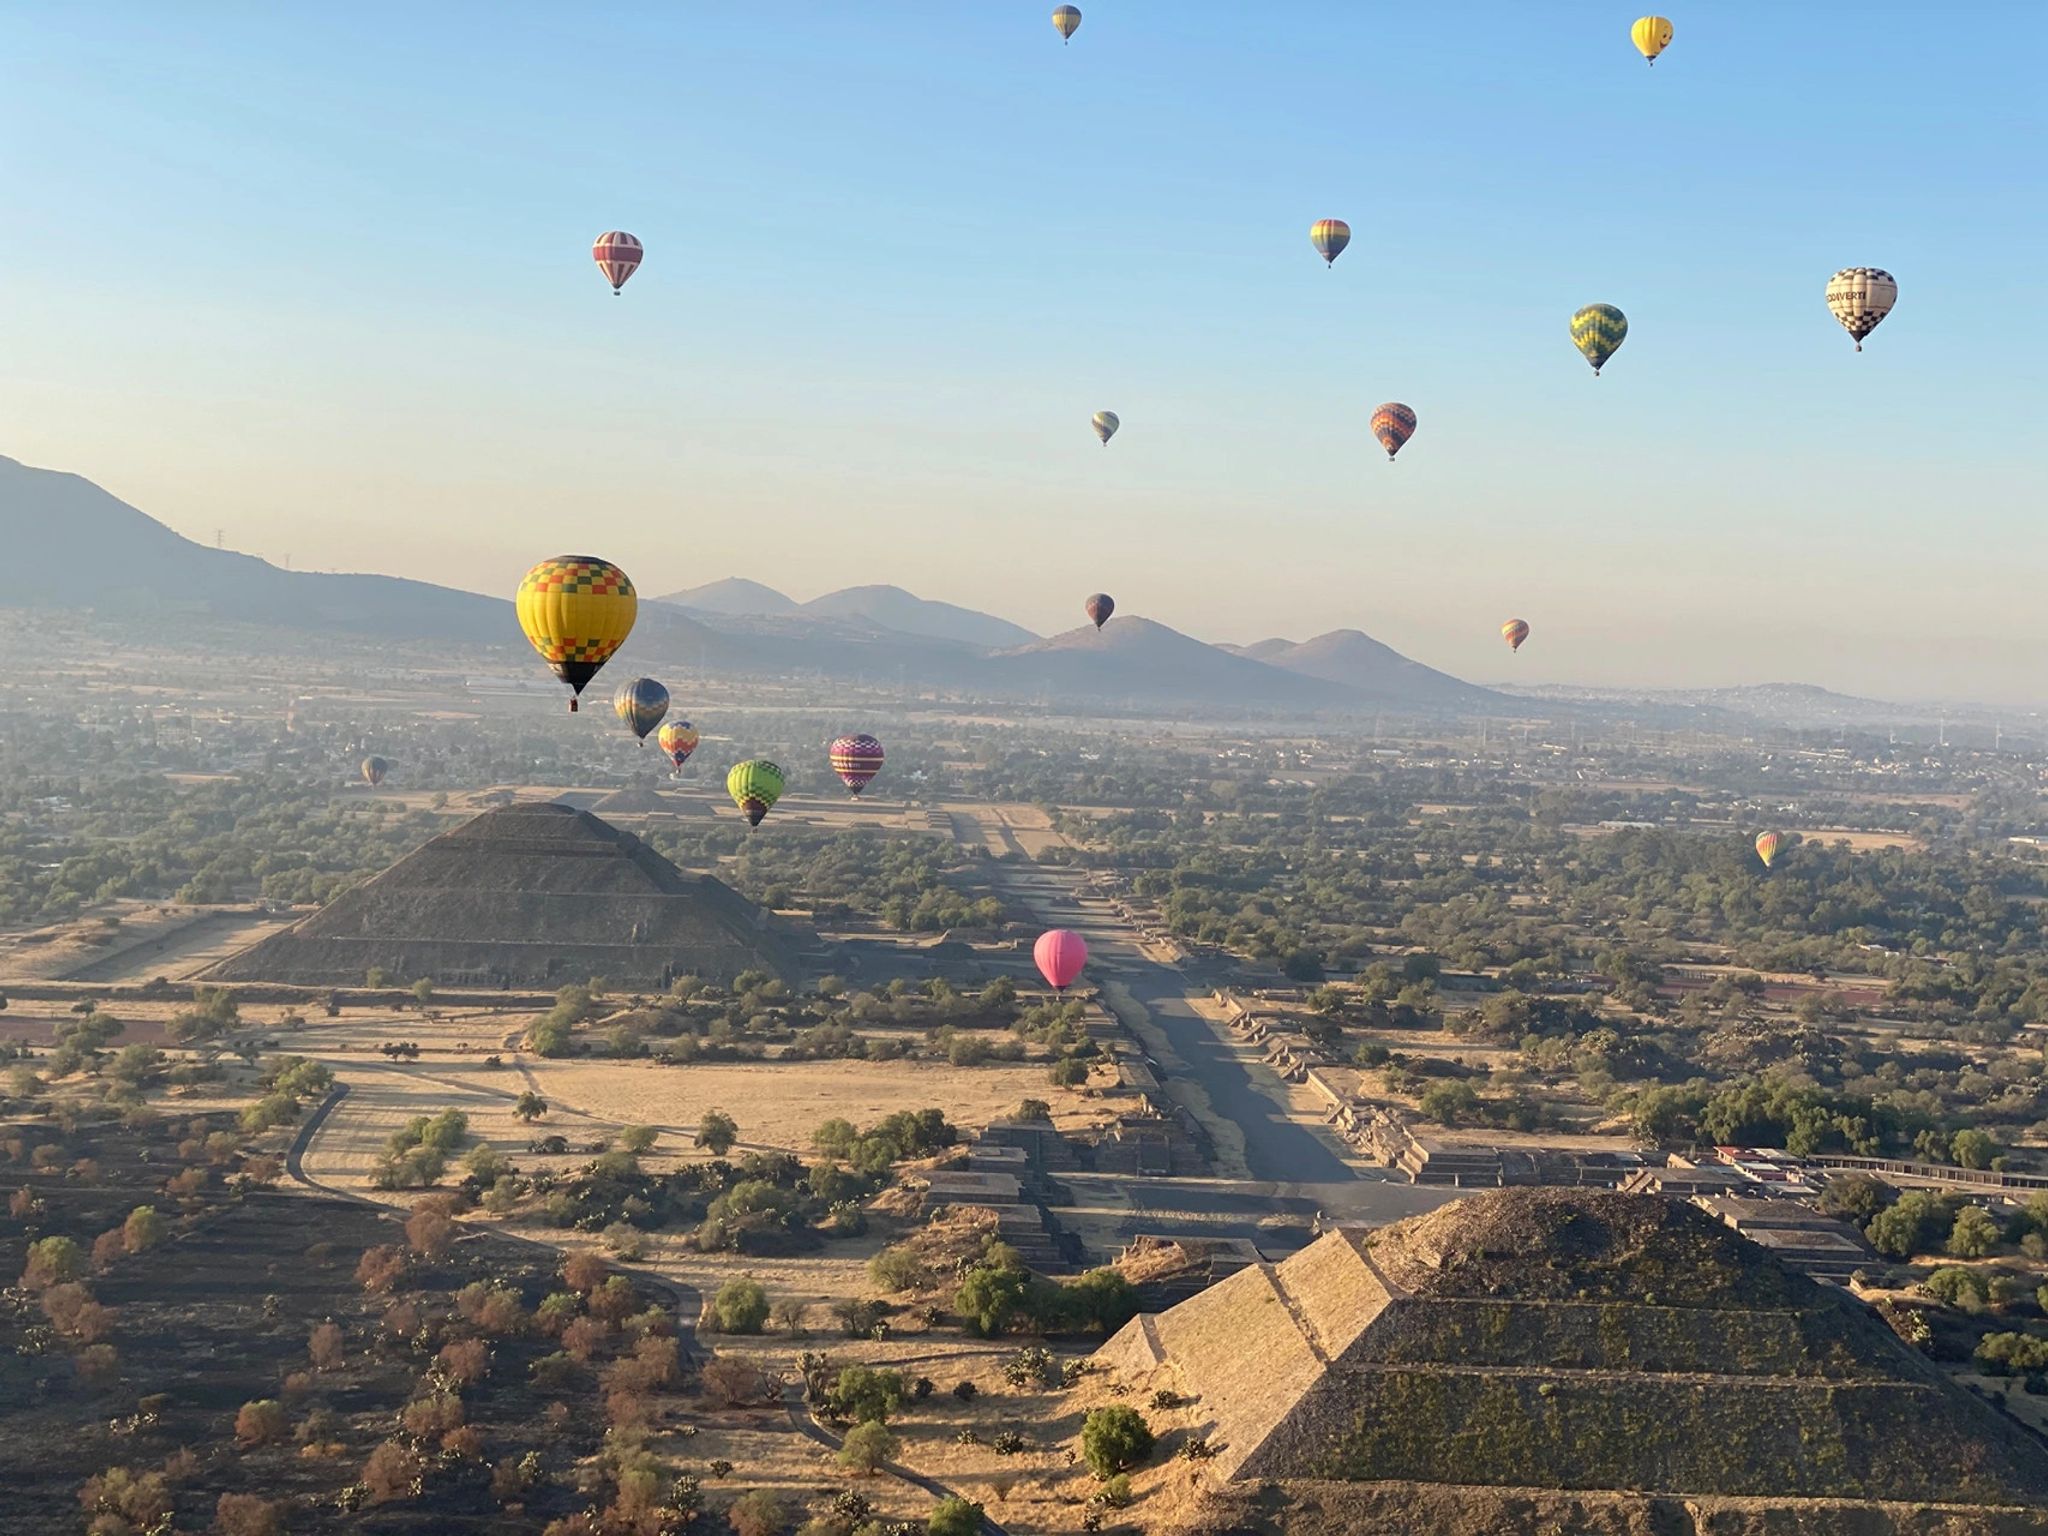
(1115,1492)
(380,1268)
(735,1381)
(1114,1440)
(52,1261)
(429,1232)
(954,1517)
(717,1132)
(863,1394)
(262,1422)
(392,1473)
(898,1269)
(741,1306)
(324,1347)
(140,1499)
(867,1446)
(247,1514)
(1032,1367)
(584,1272)
(966,1391)
(143,1229)
(639,1138)
(465,1361)
(764,1512)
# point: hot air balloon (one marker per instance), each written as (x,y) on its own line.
(1767,847)
(755,786)
(1329,237)
(618,257)
(1860,297)
(1598,331)
(1106,423)
(1099,608)
(1067,18)
(641,704)
(856,759)
(1393,424)
(1651,35)
(1515,631)
(1060,953)
(576,610)
(374,769)
(678,738)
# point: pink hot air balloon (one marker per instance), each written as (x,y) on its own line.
(1060,953)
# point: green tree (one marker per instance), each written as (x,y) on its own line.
(867,1446)
(1972,1149)
(1855,1197)
(863,1394)
(1974,1234)
(529,1106)
(717,1132)
(741,1306)
(1916,1223)
(954,1517)
(143,1229)
(1115,1440)
(638,1138)
(423,991)
(990,1296)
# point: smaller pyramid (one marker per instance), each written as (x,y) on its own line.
(527,896)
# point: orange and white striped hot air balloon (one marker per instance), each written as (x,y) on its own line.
(1515,631)
(618,257)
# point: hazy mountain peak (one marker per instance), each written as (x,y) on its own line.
(735,596)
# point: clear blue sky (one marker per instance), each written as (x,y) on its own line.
(318,276)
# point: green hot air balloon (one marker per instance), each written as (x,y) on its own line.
(755,786)
(1598,331)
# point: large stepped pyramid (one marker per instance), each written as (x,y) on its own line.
(1625,1362)
(536,895)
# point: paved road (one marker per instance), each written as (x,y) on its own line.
(1278,1146)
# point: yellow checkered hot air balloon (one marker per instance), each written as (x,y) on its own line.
(755,786)
(1651,35)
(577,611)
(1598,331)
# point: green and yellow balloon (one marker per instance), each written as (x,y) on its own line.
(755,786)
(1598,331)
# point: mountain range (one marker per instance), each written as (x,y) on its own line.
(91,552)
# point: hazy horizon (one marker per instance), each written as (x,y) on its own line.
(321,281)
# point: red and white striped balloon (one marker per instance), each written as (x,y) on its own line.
(618,256)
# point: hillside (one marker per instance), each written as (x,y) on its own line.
(1374,671)
(735,595)
(118,559)
(1611,1362)
(1131,659)
(863,608)
(907,614)
(127,571)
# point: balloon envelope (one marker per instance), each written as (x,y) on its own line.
(1329,237)
(576,611)
(856,759)
(755,786)
(1515,631)
(617,255)
(678,739)
(374,769)
(1860,297)
(1767,847)
(1099,608)
(1598,331)
(1651,35)
(641,704)
(1106,423)
(1393,424)
(1067,18)
(1060,953)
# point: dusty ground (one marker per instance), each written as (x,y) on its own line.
(132,941)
